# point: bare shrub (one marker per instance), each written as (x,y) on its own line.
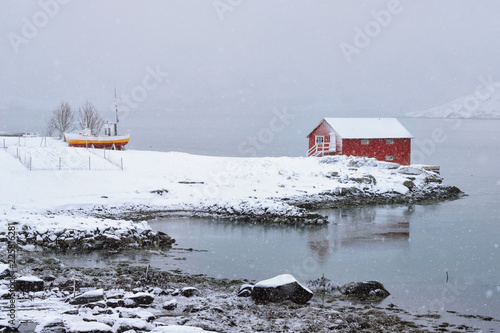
(50,127)
(88,117)
(63,119)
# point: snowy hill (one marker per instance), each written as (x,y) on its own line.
(484,103)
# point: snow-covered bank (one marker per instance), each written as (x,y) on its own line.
(154,183)
(74,233)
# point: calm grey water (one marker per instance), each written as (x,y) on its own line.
(413,250)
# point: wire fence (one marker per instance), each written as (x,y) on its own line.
(35,154)
(107,155)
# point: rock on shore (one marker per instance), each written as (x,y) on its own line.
(278,289)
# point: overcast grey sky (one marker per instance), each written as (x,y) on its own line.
(236,60)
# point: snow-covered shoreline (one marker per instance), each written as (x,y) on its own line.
(121,297)
(62,198)
(57,194)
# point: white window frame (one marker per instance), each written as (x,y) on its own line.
(389,158)
(322,140)
(389,141)
(365,142)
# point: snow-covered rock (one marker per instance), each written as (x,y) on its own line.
(88,327)
(114,303)
(4,270)
(170,304)
(88,297)
(5,326)
(178,329)
(140,298)
(125,324)
(130,303)
(5,294)
(29,283)
(190,292)
(143,314)
(51,324)
(280,288)
(410,170)
(245,290)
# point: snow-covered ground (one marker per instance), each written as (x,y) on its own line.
(70,181)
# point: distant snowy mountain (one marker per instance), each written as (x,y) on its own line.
(484,103)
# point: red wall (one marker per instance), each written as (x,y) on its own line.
(322,130)
(379,149)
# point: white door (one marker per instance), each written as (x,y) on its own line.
(333,142)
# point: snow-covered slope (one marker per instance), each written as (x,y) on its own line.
(484,103)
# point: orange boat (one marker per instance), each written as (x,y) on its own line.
(111,139)
(86,140)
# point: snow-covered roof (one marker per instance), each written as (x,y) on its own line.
(368,128)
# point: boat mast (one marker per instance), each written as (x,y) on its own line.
(116,115)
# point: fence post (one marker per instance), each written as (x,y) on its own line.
(4,143)
(43,143)
(89,162)
(59,162)
(30,162)
(121,162)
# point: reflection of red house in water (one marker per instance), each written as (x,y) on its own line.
(382,138)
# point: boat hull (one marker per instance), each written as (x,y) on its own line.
(80,140)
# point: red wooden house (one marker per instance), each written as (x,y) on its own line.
(382,138)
